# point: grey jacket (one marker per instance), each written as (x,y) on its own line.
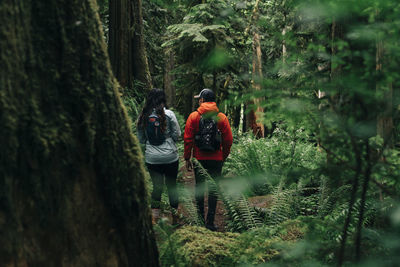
(167,151)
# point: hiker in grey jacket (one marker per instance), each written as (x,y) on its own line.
(158,128)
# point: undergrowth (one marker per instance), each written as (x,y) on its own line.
(284,157)
(302,225)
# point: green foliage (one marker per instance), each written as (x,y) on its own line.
(242,216)
(195,32)
(180,118)
(104,16)
(201,247)
(197,246)
(206,42)
(283,157)
(330,88)
(283,207)
(134,108)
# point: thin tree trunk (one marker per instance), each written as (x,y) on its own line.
(353,196)
(169,78)
(367,178)
(336,69)
(284,48)
(385,118)
(71,173)
(257,76)
(236,117)
(244,121)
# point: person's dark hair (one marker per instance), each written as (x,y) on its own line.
(157,100)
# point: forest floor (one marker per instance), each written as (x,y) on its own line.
(220,221)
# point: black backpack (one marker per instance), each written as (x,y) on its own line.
(153,130)
(208,138)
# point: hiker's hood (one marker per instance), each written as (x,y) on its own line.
(208,106)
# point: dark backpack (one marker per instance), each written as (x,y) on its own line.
(208,138)
(153,130)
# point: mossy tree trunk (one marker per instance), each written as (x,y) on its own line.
(72,188)
(126,44)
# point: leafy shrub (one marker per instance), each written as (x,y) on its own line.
(285,157)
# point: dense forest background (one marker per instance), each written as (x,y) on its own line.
(312,92)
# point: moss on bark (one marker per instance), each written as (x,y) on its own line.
(72,191)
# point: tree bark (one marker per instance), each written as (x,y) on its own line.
(385,118)
(120,41)
(141,70)
(336,34)
(169,78)
(284,48)
(257,76)
(126,44)
(71,172)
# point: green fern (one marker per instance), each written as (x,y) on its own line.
(187,202)
(328,201)
(242,216)
(282,208)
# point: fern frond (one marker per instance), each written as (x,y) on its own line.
(187,201)
(242,216)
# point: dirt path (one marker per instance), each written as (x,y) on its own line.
(189,182)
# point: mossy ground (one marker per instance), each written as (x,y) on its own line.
(198,246)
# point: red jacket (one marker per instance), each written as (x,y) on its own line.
(192,127)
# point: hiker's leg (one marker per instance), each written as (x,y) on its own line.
(157,178)
(199,191)
(214,168)
(171,172)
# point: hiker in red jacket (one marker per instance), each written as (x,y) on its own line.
(208,135)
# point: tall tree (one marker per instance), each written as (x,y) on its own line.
(126,43)
(169,86)
(252,123)
(385,117)
(71,173)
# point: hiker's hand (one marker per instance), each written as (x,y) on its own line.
(189,165)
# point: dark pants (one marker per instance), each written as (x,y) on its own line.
(157,173)
(214,168)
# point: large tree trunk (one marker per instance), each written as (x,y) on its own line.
(126,44)
(141,70)
(120,41)
(72,188)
